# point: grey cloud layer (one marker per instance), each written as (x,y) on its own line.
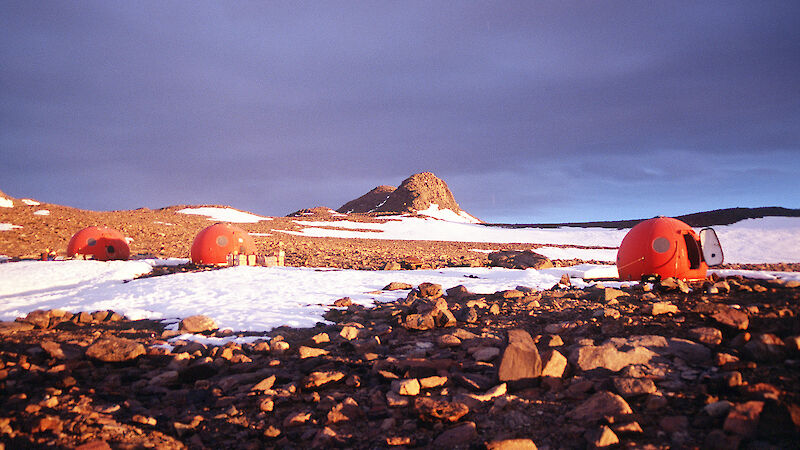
(237,103)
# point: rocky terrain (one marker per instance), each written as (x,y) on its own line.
(712,364)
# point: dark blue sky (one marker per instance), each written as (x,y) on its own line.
(530,111)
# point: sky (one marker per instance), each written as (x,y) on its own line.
(531,111)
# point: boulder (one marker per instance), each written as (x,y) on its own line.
(513,259)
(197,324)
(114,349)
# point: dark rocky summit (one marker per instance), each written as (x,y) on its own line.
(711,364)
(416,193)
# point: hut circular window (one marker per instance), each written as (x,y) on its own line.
(661,244)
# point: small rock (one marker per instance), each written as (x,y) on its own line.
(609,294)
(432,410)
(395,400)
(459,435)
(521,359)
(511,444)
(397,286)
(663,308)
(600,405)
(743,418)
(113,349)
(766,347)
(420,322)
(296,419)
(448,340)
(602,437)
(706,335)
(430,290)
(432,382)
(265,384)
(197,324)
(343,302)
(311,352)
(486,353)
(718,409)
(321,338)
(730,317)
(317,379)
(409,386)
(631,387)
(554,364)
(349,333)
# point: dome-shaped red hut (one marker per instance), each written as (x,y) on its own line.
(665,247)
(100,243)
(213,244)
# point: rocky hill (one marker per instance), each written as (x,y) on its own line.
(416,193)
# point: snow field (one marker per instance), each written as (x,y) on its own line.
(249,298)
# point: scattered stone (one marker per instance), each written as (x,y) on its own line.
(265,384)
(511,444)
(554,364)
(114,349)
(311,352)
(730,317)
(433,410)
(409,387)
(609,294)
(662,308)
(317,379)
(486,353)
(631,387)
(521,359)
(397,286)
(197,324)
(459,435)
(296,419)
(343,302)
(448,340)
(512,259)
(600,405)
(743,418)
(430,290)
(766,347)
(706,335)
(602,437)
(349,333)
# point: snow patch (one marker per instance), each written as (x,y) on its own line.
(42,212)
(225,214)
(8,226)
(30,202)
(6,202)
(447,214)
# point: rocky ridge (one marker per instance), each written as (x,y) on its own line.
(711,364)
(415,193)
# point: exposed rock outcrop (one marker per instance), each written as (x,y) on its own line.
(416,193)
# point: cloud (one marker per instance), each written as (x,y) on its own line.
(217,100)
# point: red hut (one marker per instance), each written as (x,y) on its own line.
(100,243)
(664,247)
(213,244)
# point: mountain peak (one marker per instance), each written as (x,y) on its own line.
(417,193)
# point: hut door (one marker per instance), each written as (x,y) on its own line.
(712,249)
